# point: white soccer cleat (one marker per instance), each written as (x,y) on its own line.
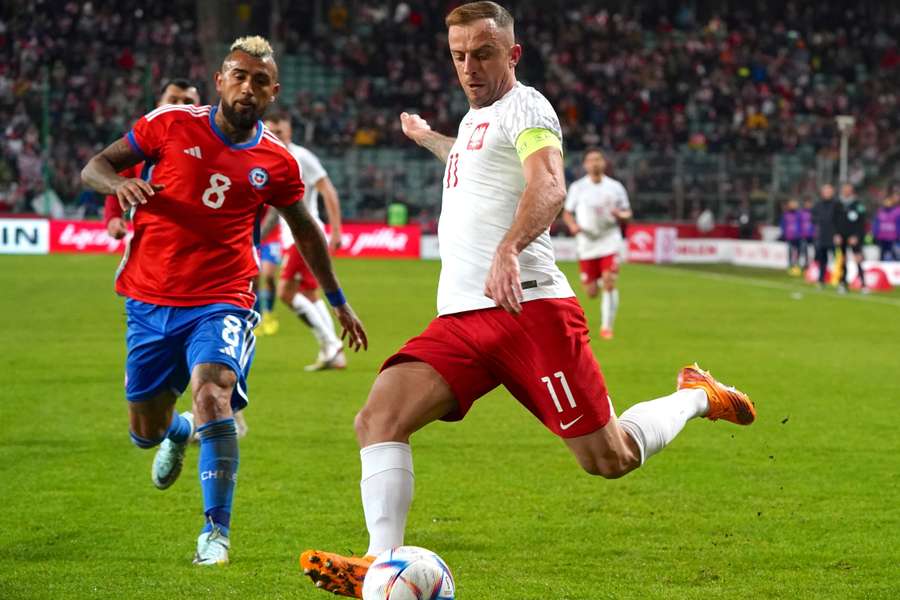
(212,548)
(170,458)
(333,359)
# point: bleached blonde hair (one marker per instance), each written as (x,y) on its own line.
(254,45)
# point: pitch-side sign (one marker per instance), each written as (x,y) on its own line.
(41,236)
(24,236)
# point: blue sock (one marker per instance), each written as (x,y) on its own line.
(218,467)
(256,303)
(180,429)
(144,443)
(266,299)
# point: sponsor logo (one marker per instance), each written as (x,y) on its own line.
(259,177)
(565,426)
(85,237)
(380,241)
(207,475)
(24,236)
(195,152)
(476,140)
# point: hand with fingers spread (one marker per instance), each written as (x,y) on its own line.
(353,330)
(134,191)
(502,284)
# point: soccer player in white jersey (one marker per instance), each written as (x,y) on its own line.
(297,286)
(596,206)
(506,313)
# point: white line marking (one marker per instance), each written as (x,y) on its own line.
(774,285)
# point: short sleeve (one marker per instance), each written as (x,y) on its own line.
(313,171)
(290,187)
(572,197)
(148,135)
(528,109)
(622,202)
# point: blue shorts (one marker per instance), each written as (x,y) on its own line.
(270,253)
(166,342)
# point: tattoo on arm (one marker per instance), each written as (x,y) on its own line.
(311,243)
(438,144)
(101,173)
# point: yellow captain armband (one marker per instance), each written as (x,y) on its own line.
(532,140)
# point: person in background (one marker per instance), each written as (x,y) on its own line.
(850,229)
(823,216)
(807,232)
(885,226)
(791,233)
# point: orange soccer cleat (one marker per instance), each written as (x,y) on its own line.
(725,402)
(606,334)
(341,575)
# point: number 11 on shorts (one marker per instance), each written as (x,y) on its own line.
(565,386)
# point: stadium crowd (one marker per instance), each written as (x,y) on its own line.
(757,79)
(92,68)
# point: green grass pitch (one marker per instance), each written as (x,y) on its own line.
(803,504)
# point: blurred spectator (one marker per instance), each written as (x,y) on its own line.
(886,225)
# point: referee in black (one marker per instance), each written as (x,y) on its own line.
(849,232)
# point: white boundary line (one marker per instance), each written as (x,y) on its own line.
(774,285)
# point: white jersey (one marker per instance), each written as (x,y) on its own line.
(483,182)
(593,204)
(312,171)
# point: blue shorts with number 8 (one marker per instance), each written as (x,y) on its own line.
(165,343)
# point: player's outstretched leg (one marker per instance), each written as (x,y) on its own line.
(170,457)
(626,443)
(404,398)
(218,463)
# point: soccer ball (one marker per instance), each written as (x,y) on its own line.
(408,573)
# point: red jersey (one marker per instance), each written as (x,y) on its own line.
(111,208)
(193,241)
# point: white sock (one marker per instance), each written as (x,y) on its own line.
(655,423)
(606,310)
(387,491)
(306,309)
(613,306)
(325,315)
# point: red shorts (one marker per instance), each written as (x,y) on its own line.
(294,268)
(593,268)
(542,356)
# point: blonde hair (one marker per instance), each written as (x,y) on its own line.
(254,45)
(466,13)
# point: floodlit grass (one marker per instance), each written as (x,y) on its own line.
(803,504)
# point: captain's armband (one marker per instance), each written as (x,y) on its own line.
(532,140)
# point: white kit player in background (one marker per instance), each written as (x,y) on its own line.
(595,210)
(297,287)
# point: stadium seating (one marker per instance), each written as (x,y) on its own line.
(696,108)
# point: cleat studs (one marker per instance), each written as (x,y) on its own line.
(328,564)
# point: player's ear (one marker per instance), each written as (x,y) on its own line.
(515,54)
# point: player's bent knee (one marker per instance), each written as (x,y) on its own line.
(373,426)
(606,468)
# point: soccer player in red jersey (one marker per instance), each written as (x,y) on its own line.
(187,273)
(507,315)
(174,91)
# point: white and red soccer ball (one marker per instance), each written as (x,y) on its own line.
(408,573)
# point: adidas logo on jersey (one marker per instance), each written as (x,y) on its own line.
(195,152)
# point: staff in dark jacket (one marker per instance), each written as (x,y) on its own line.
(850,230)
(823,220)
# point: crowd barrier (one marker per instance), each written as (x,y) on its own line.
(646,243)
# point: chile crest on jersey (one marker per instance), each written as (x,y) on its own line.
(259,177)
